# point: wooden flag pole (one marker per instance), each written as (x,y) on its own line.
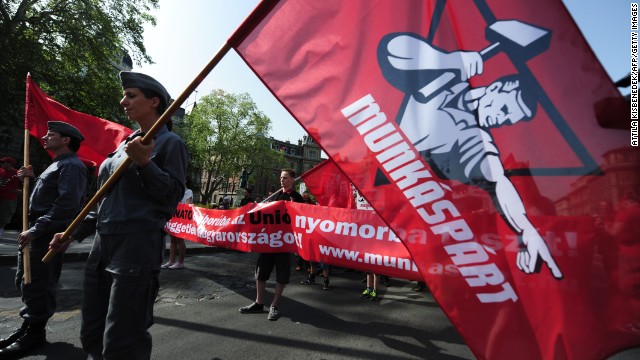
(26,254)
(166,116)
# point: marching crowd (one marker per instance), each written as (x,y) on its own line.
(121,279)
(121,276)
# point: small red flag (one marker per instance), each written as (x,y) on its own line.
(329,185)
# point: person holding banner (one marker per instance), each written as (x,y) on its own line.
(247,199)
(311,266)
(281,261)
(371,291)
(55,200)
(300,262)
(121,276)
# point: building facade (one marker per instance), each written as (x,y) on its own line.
(620,167)
(301,157)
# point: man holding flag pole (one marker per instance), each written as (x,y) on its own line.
(56,198)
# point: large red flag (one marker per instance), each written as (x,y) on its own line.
(101,136)
(504,176)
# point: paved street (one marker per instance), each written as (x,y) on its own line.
(197,315)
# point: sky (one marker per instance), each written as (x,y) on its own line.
(189,33)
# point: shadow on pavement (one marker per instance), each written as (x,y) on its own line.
(59,351)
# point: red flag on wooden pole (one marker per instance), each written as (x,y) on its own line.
(102,136)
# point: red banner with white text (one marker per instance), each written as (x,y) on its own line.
(342,237)
(479,126)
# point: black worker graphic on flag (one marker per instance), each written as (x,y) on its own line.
(450,123)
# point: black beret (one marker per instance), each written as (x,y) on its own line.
(65,129)
(130,79)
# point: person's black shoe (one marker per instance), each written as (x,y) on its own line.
(33,338)
(310,280)
(254,308)
(325,284)
(14,336)
(419,287)
(273,314)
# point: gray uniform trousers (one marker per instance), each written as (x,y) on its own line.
(39,297)
(120,287)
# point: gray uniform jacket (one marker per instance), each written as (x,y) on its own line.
(58,195)
(142,199)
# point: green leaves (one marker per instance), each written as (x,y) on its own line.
(72,50)
(226,133)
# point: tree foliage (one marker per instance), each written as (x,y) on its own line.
(224,134)
(71,48)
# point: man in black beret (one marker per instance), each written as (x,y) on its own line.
(66,129)
(56,198)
